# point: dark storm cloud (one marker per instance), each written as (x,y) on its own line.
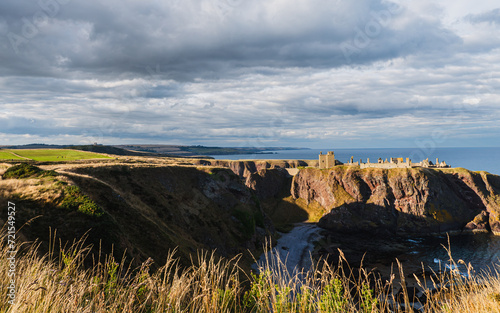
(189,39)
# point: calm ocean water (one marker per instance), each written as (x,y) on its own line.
(481,250)
(475,159)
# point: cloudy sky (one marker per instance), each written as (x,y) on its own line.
(306,73)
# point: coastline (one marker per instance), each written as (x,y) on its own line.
(294,248)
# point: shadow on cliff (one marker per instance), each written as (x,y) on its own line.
(367,233)
(449,205)
(43,223)
(284,213)
(367,218)
(148,212)
(272,189)
(410,201)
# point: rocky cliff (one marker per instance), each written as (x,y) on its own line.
(247,167)
(410,201)
(147,209)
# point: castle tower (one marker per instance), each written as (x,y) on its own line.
(322,160)
(326,160)
(330,159)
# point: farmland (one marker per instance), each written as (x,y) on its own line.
(6,155)
(49,155)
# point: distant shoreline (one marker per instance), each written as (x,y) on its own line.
(161,150)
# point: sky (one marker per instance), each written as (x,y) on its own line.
(243,73)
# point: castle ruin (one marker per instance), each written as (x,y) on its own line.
(328,161)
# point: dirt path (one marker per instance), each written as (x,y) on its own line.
(60,171)
(20,156)
(294,248)
(139,209)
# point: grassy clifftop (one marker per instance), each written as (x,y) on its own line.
(50,155)
(141,210)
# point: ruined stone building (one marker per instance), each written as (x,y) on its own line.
(328,161)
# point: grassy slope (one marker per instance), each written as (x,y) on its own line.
(7,155)
(40,201)
(149,210)
(169,207)
(52,155)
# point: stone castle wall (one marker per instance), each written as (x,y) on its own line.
(387,165)
(328,161)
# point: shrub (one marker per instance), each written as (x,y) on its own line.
(89,207)
(23,170)
(75,200)
(247,220)
(50,173)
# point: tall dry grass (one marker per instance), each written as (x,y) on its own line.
(59,282)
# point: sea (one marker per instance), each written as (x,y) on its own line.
(474,159)
(482,251)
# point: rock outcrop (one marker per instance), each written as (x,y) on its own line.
(269,183)
(245,168)
(480,223)
(411,201)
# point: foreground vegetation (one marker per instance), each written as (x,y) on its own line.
(49,155)
(59,282)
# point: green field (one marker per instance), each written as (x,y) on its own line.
(50,155)
(6,155)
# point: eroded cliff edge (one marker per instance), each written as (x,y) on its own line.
(395,201)
(245,168)
(150,209)
(145,210)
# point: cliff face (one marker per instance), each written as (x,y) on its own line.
(148,210)
(412,200)
(268,184)
(248,167)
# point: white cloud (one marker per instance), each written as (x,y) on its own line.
(257,72)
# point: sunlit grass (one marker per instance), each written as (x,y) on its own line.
(59,282)
(52,155)
(7,155)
